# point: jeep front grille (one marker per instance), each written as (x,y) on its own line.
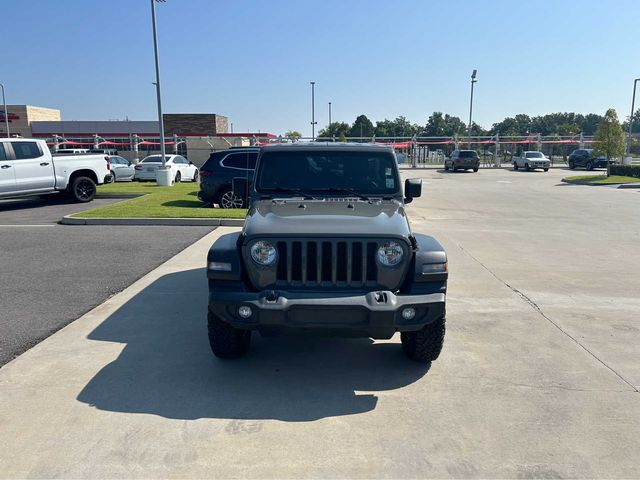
(327,263)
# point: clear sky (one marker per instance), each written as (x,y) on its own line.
(252,60)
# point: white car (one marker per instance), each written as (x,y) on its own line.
(530,160)
(181,168)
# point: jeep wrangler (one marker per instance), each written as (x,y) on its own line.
(326,245)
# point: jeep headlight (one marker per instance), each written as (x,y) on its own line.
(263,253)
(390,254)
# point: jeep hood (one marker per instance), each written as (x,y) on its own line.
(326,218)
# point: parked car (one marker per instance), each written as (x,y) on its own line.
(326,246)
(121,169)
(530,160)
(586,158)
(106,151)
(181,168)
(217,174)
(27,167)
(462,160)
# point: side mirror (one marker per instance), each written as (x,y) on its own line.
(412,189)
(240,187)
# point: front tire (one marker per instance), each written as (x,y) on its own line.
(83,189)
(571,165)
(195,176)
(226,199)
(526,167)
(475,170)
(227,341)
(589,166)
(515,165)
(424,345)
(178,178)
(546,169)
(446,167)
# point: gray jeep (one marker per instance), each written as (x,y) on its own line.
(326,245)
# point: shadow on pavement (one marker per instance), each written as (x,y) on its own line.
(27,203)
(167,369)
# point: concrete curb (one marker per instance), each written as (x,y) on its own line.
(595,184)
(176,222)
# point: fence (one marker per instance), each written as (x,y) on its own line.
(416,151)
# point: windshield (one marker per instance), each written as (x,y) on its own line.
(534,155)
(338,172)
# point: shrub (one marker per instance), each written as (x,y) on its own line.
(625,170)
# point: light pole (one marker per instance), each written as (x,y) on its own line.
(163,174)
(313,111)
(329,113)
(627,159)
(6,114)
(473,80)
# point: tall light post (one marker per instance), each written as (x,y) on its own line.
(163,174)
(329,113)
(473,80)
(627,159)
(6,114)
(313,111)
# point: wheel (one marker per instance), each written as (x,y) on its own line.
(589,166)
(475,170)
(446,167)
(195,176)
(454,168)
(227,341)
(546,169)
(178,178)
(515,165)
(113,176)
(424,345)
(82,189)
(228,200)
(526,167)
(571,165)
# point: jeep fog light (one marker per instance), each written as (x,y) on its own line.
(263,253)
(390,254)
(409,313)
(244,311)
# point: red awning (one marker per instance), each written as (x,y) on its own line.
(156,143)
(69,142)
(115,144)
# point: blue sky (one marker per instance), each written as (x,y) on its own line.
(252,60)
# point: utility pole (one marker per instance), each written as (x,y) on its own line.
(627,159)
(163,174)
(473,80)
(313,111)
(6,114)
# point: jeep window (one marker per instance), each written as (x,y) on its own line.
(534,155)
(368,173)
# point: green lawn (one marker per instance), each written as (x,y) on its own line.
(604,179)
(178,201)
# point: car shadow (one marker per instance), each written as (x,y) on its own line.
(184,203)
(27,203)
(442,170)
(167,368)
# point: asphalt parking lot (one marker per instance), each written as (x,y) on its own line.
(539,376)
(52,274)
(43,211)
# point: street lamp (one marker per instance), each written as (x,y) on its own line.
(6,114)
(473,80)
(163,174)
(329,113)
(313,111)
(627,159)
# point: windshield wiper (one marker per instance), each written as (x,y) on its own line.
(296,191)
(350,191)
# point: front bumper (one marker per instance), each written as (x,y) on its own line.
(372,314)
(540,165)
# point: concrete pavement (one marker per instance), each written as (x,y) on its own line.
(539,376)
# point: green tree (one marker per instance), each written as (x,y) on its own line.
(609,137)
(294,135)
(362,127)
(335,129)
(635,128)
(567,129)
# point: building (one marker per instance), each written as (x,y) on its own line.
(22,117)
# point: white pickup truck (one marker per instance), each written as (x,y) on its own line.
(28,168)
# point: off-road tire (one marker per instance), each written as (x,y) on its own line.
(424,345)
(227,341)
(82,189)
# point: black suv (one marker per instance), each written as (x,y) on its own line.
(326,245)
(217,173)
(584,157)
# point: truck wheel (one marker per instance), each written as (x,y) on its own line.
(515,165)
(424,345)
(526,167)
(83,189)
(227,341)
